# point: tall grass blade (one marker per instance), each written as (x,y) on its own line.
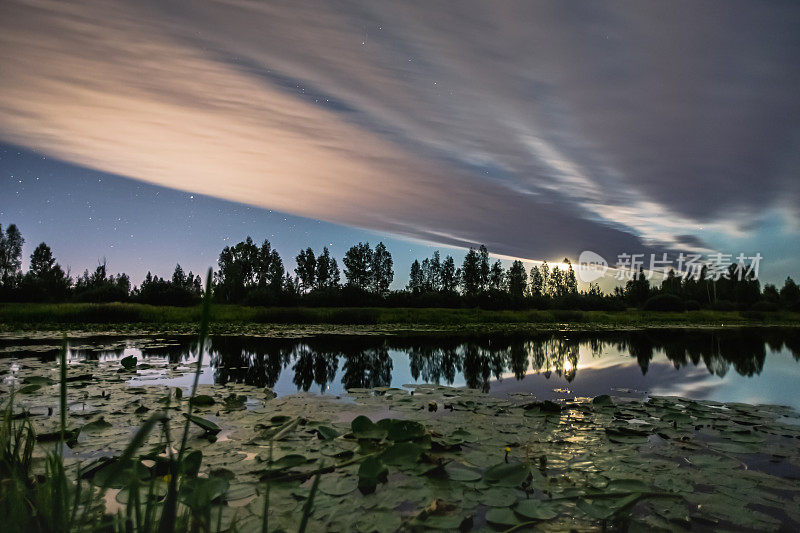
(168,516)
(310,502)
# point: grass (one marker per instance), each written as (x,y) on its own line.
(56,316)
(52,502)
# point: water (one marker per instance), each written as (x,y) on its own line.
(739,365)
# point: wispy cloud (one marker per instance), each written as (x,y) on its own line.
(540,129)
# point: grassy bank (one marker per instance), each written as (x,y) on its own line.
(226,317)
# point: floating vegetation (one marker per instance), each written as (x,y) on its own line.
(386,460)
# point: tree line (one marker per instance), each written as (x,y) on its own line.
(251,274)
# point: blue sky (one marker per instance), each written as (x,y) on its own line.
(539,129)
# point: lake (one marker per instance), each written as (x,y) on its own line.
(749,365)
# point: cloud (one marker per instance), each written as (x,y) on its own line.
(539,129)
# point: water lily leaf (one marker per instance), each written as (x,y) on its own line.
(326,433)
(677,418)
(506,474)
(207,425)
(222,472)
(371,472)
(363,428)
(501,516)
(128,362)
(50,436)
(626,435)
(234,401)
(743,436)
(202,400)
(463,435)
(457,473)
(602,400)
(402,453)
(38,380)
(29,389)
(201,492)
(190,465)
(603,509)
(736,447)
(239,491)
(401,430)
(379,521)
(97,425)
(289,461)
(451,522)
(537,509)
(542,409)
(338,449)
(627,485)
(498,497)
(338,486)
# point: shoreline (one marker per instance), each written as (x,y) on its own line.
(298,331)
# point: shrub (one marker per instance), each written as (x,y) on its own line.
(664,302)
(692,305)
(752,315)
(723,305)
(764,306)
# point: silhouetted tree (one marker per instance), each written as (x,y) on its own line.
(557,287)
(269,268)
(790,293)
(45,279)
(415,278)
(570,281)
(471,273)
(450,275)
(182,289)
(483,268)
(496,276)
(10,256)
(358,266)
(771,294)
(545,271)
(382,269)
(327,272)
(637,290)
(100,287)
(517,280)
(537,282)
(672,284)
(306,269)
(237,271)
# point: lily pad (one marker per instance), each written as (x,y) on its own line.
(537,509)
(371,472)
(363,428)
(506,474)
(501,516)
(207,425)
(202,400)
(338,486)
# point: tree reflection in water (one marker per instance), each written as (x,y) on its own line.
(367,361)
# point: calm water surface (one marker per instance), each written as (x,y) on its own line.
(742,365)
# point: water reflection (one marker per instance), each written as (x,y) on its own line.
(336,363)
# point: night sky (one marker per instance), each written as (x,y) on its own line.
(156,132)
